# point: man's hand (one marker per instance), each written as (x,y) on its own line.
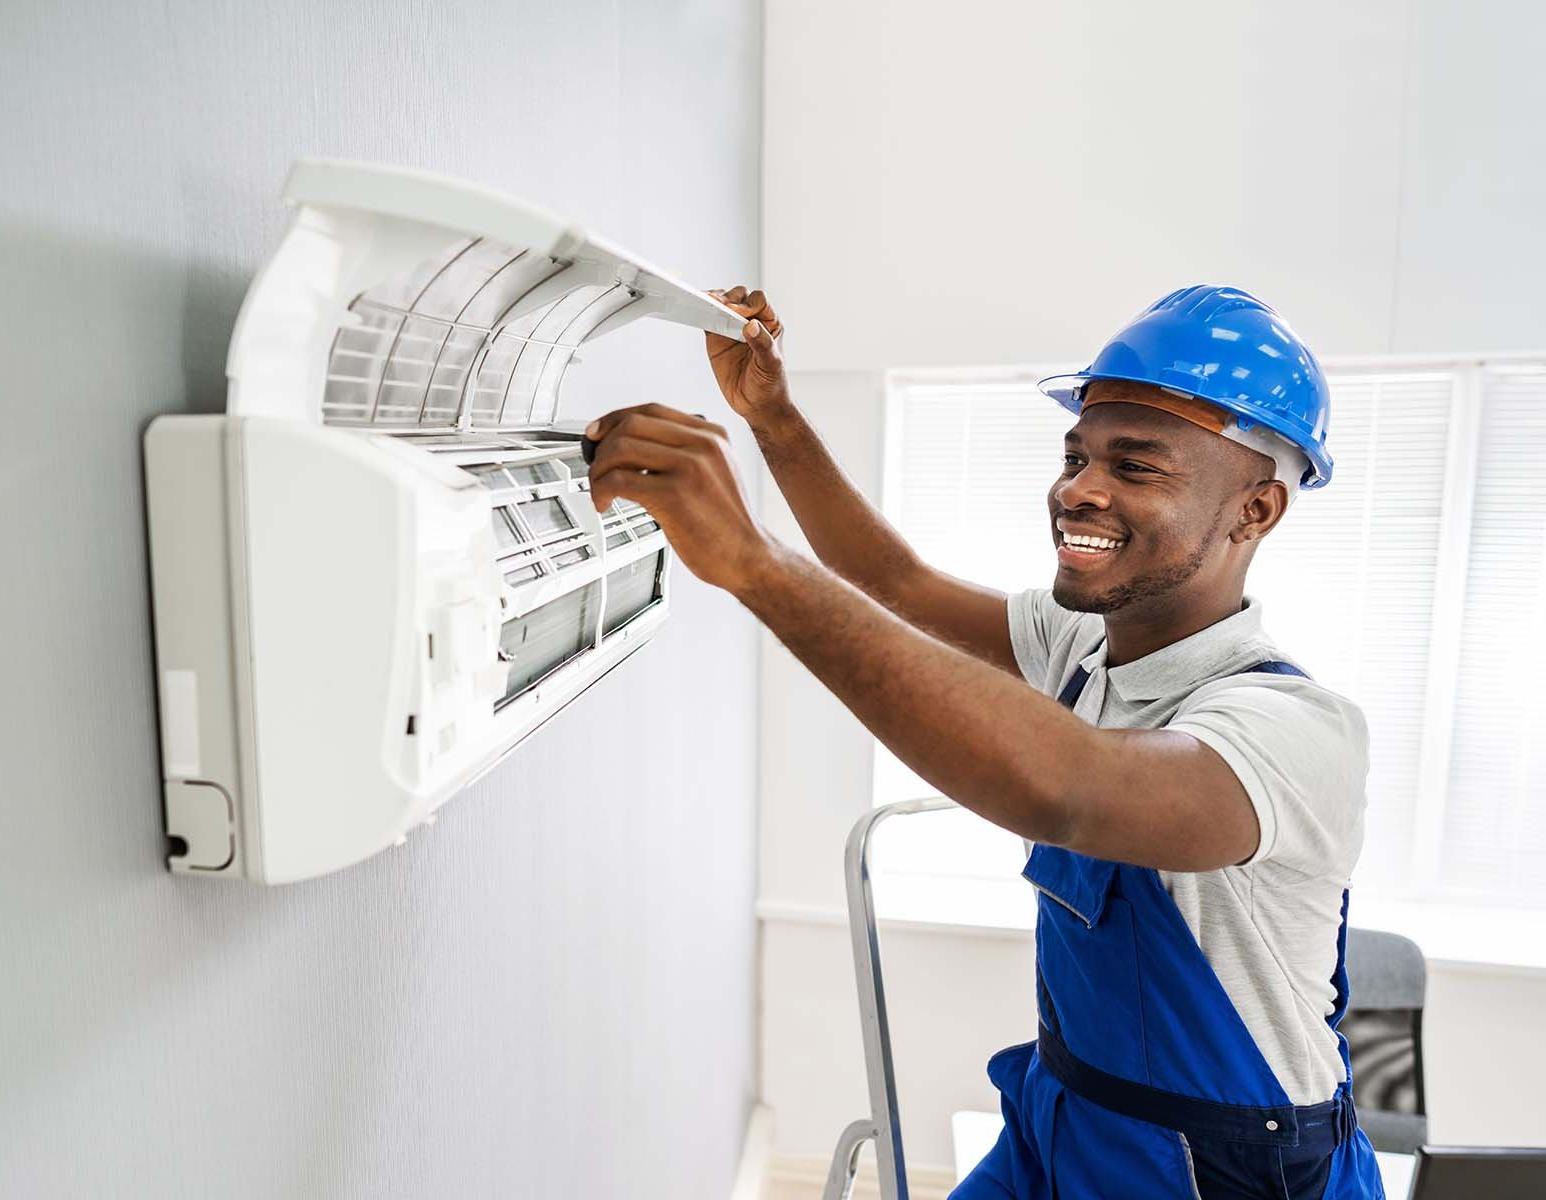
(679,467)
(750,373)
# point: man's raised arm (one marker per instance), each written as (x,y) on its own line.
(847,533)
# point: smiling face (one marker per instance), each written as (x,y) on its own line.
(1153,514)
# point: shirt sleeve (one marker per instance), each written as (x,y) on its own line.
(1301,752)
(1032,622)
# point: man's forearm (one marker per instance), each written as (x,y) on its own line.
(845,530)
(982,738)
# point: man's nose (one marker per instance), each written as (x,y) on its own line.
(1086,488)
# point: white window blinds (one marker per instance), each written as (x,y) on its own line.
(968,471)
(1494,823)
(1347,583)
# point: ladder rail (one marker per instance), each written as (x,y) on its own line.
(883,1125)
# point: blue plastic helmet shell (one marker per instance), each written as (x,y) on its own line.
(1224,346)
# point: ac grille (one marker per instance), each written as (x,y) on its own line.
(477,338)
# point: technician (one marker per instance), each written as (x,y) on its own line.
(1195,799)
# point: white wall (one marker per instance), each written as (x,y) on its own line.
(1005,182)
(999,182)
(552,992)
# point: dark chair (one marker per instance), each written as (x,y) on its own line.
(1387,980)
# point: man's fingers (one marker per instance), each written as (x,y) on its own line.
(751,305)
(694,431)
(641,443)
(636,469)
(757,306)
(603,425)
(764,346)
(622,452)
(629,485)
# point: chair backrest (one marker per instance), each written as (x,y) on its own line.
(1387,983)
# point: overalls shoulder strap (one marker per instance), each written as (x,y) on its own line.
(1074,688)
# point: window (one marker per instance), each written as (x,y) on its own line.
(1415,583)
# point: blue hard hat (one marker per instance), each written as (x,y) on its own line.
(1224,346)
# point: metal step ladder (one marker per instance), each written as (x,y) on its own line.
(883,1125)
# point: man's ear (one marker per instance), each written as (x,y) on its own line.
(1262,511)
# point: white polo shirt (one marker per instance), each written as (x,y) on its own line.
(1269,926)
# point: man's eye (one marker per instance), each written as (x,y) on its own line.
(1070,460)
(1136,466)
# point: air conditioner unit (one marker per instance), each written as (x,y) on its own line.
(380,569)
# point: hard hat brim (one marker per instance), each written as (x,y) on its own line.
(1067,389)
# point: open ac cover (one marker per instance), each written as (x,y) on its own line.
(380,569)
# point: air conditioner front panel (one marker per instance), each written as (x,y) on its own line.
(354,560)
(403,300)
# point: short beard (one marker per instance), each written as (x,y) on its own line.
(1145,587)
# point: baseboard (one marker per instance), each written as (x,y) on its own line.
(801,1177)
(752,1178)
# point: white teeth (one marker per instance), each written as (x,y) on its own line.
(1085,541)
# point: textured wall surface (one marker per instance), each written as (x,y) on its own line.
(551,992)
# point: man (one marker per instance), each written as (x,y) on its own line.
(1196,801)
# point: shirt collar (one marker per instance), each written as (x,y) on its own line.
(1179,666)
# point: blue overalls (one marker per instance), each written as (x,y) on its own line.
(1144,1082)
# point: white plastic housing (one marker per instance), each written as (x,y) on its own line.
(380,570)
